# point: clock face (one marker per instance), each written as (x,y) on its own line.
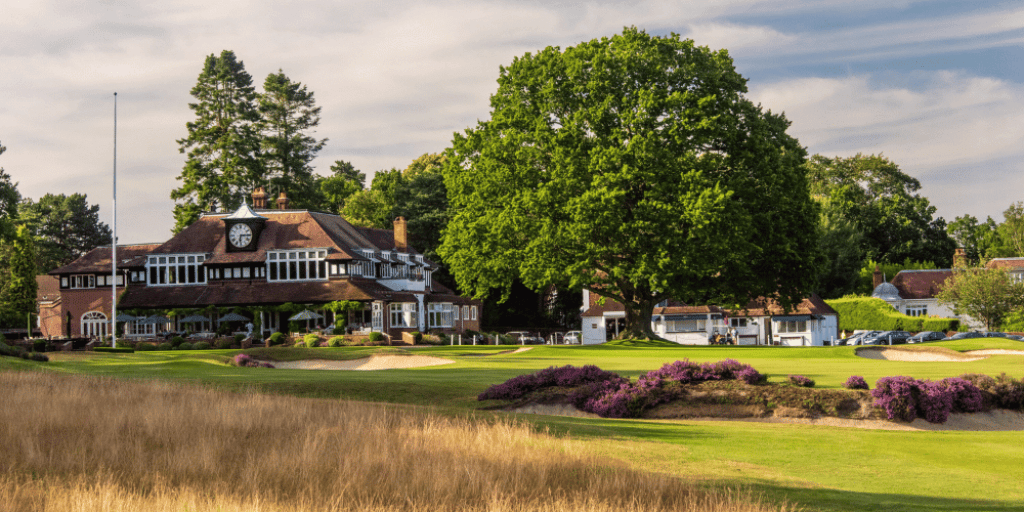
(240,235)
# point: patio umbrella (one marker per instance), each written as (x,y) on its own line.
(306,315)
(126,318)
(194,319)
(233,317)
(156,319)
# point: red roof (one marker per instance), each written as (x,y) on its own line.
(920,284)
(98,259)
(1007,263)
(813,305)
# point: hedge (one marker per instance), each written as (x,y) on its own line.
(874,314)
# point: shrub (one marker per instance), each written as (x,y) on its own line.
(561,376)
(417,337)
(870,313)
(164,346)
(144,347)
(337,341)
(7,350)
(184,346)
(299,344)
(264,364)
(311,340)
(965,395)
(277,338)
(1009,392)
(431,339)
(36,356)
(177,340)
(202,345)
(243,360)
(897,396)
(751,376)
(226,343)
(855,382)
(239,338)
(376,337)
(39,345)
(800,380)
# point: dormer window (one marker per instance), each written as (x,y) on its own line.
(297,265)
(176,269)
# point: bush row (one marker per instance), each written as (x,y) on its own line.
(905,398)
(610,395)
(870,313)
(7,350)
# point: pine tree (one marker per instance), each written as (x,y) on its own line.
(289,113)
(18,275)
(223,142)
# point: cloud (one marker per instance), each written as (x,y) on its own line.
(949,128)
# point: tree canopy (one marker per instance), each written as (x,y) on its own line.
(66,227)
(222,144)
(988,295)
(633,167)
(288,112)
(881,201)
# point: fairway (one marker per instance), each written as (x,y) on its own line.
(818,468)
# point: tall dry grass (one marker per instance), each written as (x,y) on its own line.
(72,443)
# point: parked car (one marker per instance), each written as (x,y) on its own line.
(525,338)
(1014,337)
(926,336)
(887,338)
(995,334)
(573,337)
(856,339)
(964,336)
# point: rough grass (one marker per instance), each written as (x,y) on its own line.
(160,446)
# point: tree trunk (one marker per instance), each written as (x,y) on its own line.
(638,321)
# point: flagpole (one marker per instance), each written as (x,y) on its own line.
(113,246)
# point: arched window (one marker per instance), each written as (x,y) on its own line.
(94,324)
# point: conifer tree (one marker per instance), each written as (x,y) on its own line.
(223,143)
(288,114)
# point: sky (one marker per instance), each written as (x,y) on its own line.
(936,86)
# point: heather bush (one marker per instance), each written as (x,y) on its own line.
(242,360)
(897,396)
(966,397)
(1009,392)
(202,345)
(751,376)
(855,382)
(689,372)
(800,380)
(561,376)
(934,402)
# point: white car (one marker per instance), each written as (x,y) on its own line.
(573,337)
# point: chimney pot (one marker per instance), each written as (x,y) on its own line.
(259,199)
(876,278)
(282,201)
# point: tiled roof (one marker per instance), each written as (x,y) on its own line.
(1007,263)
(48,288)
(813,305)
(920,284)
(98,259)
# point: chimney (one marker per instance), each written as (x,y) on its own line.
(282,201)
(259,199)
(401,241)
(959,258)
(876,279)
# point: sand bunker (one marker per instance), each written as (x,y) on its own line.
(503,352)
(995,420)
(375,362)
(895,354)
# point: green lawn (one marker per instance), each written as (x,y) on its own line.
(819,468)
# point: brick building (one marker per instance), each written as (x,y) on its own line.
(249,260)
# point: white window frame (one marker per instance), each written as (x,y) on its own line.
(308,262)
(472,311)
(94,324)
(82,282)
(791,326)
(173,264)
(439,315)
(403,314)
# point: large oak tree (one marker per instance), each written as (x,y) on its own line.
(633,167)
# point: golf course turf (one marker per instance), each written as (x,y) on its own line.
(814,467)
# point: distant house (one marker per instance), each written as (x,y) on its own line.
(810,323)
(913,292)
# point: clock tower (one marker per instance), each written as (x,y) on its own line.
(242,229)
